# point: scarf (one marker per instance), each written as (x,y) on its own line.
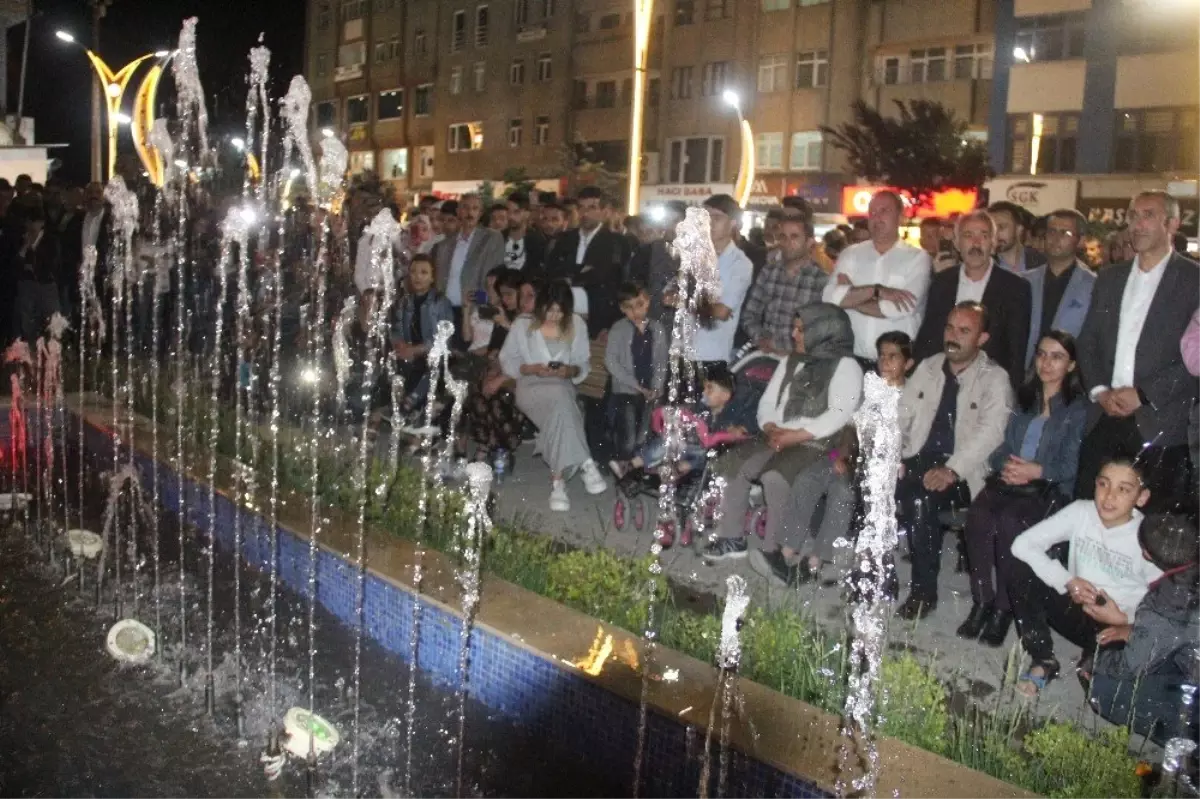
(827,339)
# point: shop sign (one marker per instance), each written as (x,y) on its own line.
(856,199)
(1111,211)
(690,193)
(1038,196)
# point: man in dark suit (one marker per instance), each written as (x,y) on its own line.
(593,258)
(37,287)
(1011,253)
(977,278)
(524,247)
(464,258)
(1130,357)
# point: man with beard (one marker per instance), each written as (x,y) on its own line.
(1011,252)
(976,279)
(524,247)
(952,417)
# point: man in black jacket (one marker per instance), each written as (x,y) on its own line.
(38,267)
(524,247)
(977,278)
(593,258)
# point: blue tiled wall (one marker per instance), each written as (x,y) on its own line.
(532,691)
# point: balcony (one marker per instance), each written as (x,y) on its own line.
(531,33)
(347,72)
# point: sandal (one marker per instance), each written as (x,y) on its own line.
(1050,669)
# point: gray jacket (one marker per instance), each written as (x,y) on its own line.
(618,357)
(1164,633)
(486,251)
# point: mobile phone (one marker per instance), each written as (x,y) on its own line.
(487,311)
(946,246)
(555,365)
(480,297)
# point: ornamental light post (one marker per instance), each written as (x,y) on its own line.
(745,178)
(643,11)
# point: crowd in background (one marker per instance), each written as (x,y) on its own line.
(1049,378)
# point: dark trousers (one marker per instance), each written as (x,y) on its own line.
(1166,468)
(1038,608)
(1151,703)
(631,422)
(36,303)
(995,519)
(920,509)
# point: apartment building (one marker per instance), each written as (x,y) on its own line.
(444,94)
(1094,100)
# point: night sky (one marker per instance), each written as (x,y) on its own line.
(58,79)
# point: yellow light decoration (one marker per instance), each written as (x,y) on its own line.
(1035,142)
(643,15)
(745,181)
(143,122)
(116,82)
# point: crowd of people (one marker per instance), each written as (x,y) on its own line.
(1048,404)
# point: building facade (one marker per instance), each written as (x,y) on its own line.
(443,94)
(1094,100)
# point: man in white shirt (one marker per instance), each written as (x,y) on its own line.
(714,338)
(881,282)
(1130,358)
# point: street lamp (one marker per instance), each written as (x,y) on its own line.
(238,143)
(114,84)
(643,11)
(745,179)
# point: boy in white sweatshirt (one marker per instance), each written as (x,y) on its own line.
(1105,563)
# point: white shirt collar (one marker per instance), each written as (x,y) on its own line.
(981,281)
(1137,269)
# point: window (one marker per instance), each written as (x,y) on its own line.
(772,73)
(716,9)
(458,31)
(394,47)
(806,151)
(776,5)
(465,136)
(516,72)
(545,73)
(1042,144)
(327,114)
(583,23)
(685,12)
(481,26)
(514,132)
(1054,37)
(322,64)
(768,150)
(1156,140)
(695,160)
(681,83)
(713,81)
(972,61)
(456,77)
(928,65)
(420,43)
(627,92)
(653,91)
(394,164)
(391,105)
(479,70)
(353,9)
(606,94)
(521,13)
(361,161)
(380,52)
(609,22)
(812,69)
(358,110)
(579,94)
(324,16)
(541,131)
(890,73)
(352,55)
(548,8)
(423,100)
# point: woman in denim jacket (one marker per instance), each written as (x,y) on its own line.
(414,325)
(1033,473)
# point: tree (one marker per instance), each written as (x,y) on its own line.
(517,181)
(922,150)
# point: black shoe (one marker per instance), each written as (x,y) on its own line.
(725,548)
(996,629)
(977,619)
(774,565)
(916,607)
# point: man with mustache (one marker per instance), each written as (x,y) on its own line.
(976,279)
(952,417)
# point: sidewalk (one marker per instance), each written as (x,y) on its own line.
(978,670)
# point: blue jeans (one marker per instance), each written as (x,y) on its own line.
(654,451)
(1151,703)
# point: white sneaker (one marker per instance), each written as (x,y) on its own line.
(593,481)
(559,501)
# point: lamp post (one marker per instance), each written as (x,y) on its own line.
(745,178)
(114,84)
(643,11)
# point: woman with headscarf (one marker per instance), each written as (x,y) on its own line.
(812,395)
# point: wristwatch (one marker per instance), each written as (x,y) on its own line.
(875,295)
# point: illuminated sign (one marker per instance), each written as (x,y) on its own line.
(856,199)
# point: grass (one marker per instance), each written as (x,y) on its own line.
(783,649)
